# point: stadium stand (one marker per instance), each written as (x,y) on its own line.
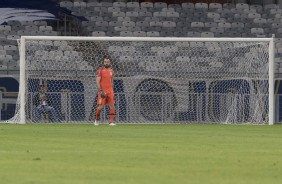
(150,18)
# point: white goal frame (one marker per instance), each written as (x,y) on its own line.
(23,39)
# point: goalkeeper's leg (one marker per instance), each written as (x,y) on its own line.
(112,114)
(98,112)
(111,103)
(100,105)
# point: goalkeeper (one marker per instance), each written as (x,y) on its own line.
(104,80)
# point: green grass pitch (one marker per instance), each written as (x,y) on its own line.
(140,154)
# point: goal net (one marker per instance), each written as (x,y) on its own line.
(157,80)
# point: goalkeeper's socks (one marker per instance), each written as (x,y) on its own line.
(98,112)
(112,115)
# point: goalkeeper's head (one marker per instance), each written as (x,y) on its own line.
(107,62)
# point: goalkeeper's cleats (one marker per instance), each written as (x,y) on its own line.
(112,124)
(96,123)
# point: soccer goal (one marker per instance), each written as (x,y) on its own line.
(157,80)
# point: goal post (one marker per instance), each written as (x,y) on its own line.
(157,80)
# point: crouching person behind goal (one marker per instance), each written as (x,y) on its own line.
(104,80)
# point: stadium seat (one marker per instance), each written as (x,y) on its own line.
(159,14)
(132,14)
(120,28)
(276,25)
(31,28)
(40,23)
(257,7)
(156,23)
(207,34)
(121,19)
(254,15)
(135,28)
(26,23)
(112,33)
(168,24)
(101,9)
(228,6)
(210,24)
(177,7)
(257,31)
(79,4)
(119,4)
(203,6)
(180,33)
(213,15)
(2,52)
(242,6)
(215,6)
(93,4)
(140,9)
(6,57)
(224,24)
(45,28)
(128,23)
(197,24)
(96,18)
(142,24)
(132,4)
(3,66)
(10,47)
(115,23)
(126,33)
(147,4)
(14,23)
(153,34)
(193,34)
(172,14)
(145,14)
(160,5)
(66,4)
(221,20)
(106,4)
(113,9)
(13,37)
(260,20)
(118,14)
(217,29)
(17,27)
(50,33)
(237,25)
(149,19)
(234,34)
(5,28)
(102,23)
(166,33)
(139,33)
(168,10)
(187,6)
(98,33)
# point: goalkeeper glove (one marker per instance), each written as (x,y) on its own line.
(103,95)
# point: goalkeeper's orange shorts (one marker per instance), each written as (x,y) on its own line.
(109,100)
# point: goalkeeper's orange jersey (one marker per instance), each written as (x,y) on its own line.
(106,75)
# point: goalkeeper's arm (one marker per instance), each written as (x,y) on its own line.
(98,79)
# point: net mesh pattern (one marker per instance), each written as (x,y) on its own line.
(155,81)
